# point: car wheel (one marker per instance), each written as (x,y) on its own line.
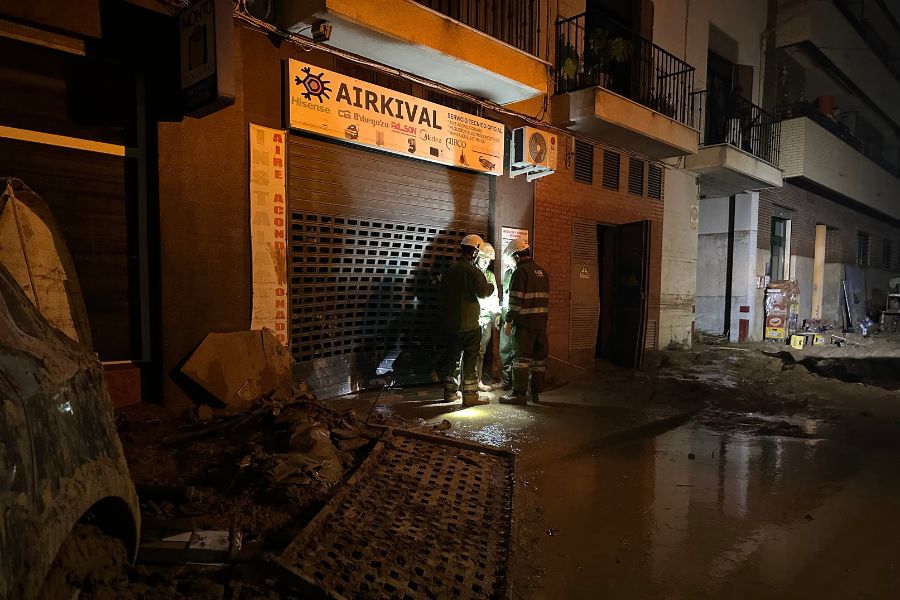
(90,564)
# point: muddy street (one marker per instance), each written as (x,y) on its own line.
(791,495)
(696,512)
(722,472)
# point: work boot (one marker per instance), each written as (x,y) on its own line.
(473,399)
(513,399)
(535,398)
(451,396)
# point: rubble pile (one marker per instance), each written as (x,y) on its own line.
(248,481)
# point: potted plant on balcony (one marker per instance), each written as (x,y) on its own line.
(571,66)
(604,51)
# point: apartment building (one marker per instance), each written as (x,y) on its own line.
(248,206)
(830,82)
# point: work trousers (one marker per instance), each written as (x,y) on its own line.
(531,351)
(486,330)
(507,354)
(465,343)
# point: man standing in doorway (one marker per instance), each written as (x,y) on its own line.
(490,310)
(507,344)
(461,287)
(526,321)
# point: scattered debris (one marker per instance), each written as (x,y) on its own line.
(692,456)
(238,368)
(443,426)
(167,543)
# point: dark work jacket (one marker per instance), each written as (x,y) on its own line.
(529,295)
(461,287)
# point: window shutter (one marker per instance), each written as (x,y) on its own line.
(584,162)
(611,162)
(636,177)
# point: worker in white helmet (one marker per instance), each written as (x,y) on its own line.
(490,310)
(526,321)
(461,288)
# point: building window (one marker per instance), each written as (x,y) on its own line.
(887,254)
(862,249)
(654,182)
(779,247)
(611,161)
(584,162)
(635,177)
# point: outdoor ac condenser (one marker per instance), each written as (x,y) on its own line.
(533,152)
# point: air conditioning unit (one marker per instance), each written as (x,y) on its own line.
(533,153)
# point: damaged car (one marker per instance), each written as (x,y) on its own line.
(62,471)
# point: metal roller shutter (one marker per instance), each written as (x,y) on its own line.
(369,234)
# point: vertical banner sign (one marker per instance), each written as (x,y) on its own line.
(268,225)
(358,112)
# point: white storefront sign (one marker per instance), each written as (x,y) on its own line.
(508,234)
(268,238)
(337,106)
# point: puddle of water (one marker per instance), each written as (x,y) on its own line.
(697,513)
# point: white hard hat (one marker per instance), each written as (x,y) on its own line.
(487,251)
(472,240)
(516,245)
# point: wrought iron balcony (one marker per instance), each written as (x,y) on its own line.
(727,118)
(595,50)
(516,22)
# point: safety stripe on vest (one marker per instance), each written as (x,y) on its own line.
(534,311)
(529,294)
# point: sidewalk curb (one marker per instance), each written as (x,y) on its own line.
(652,427)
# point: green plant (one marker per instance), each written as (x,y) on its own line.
(570,62)
(606,50)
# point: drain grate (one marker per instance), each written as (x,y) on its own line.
(423,517)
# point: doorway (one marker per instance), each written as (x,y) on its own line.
(623,260)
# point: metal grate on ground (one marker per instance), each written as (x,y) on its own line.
(423,517)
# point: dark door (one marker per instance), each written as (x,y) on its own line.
(630,277)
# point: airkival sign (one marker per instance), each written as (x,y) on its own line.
(341,107)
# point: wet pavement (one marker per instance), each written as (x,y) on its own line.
(747,517)
(725,475)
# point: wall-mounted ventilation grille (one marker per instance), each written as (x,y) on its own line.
(651,336)
(582,327)
(584,162)
(611,165)
(635,177)
(654,182)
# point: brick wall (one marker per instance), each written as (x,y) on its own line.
(843,223)
(559,200)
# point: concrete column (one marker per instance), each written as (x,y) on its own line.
(819,271)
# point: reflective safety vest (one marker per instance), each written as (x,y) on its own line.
(529,295)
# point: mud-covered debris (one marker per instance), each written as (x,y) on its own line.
(691,456)
(353,445)
(205,412)
(444,425)
(239,367)
(209,547)
(553,532)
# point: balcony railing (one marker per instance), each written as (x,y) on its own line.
(516,22)
(887,158)
(595,50)
(727,118)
